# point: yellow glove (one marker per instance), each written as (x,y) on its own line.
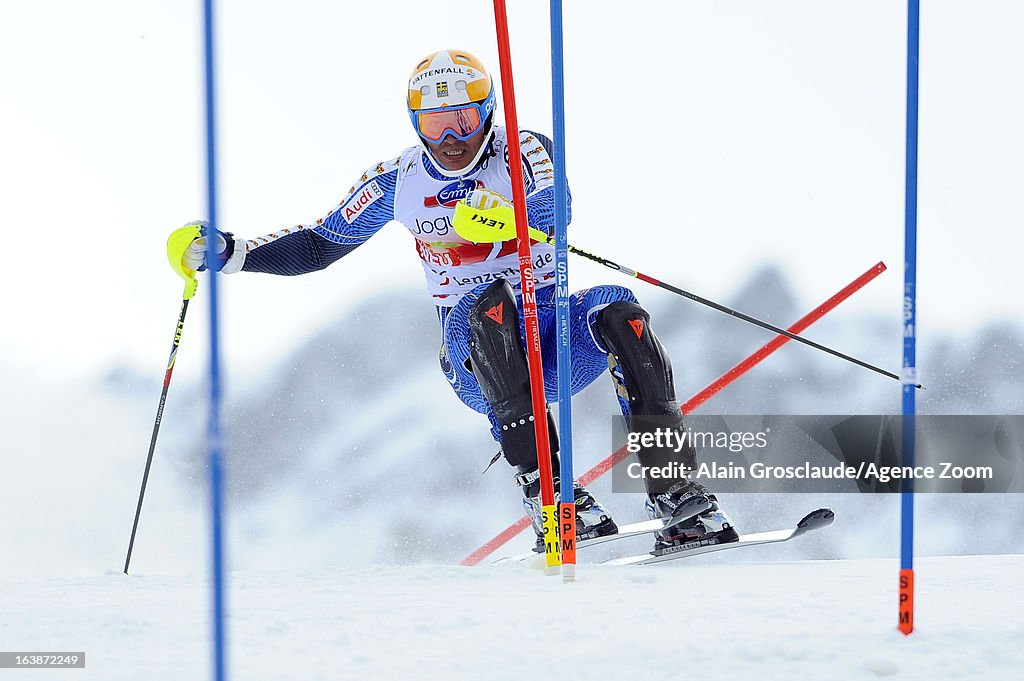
(485,199)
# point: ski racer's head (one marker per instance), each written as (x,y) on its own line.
(451,104)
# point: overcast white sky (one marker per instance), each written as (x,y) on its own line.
(704,139)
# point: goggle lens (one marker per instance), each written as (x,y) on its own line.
(461,123)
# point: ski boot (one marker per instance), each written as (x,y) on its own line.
(693,516)
(592,520)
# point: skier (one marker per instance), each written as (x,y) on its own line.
(463,156)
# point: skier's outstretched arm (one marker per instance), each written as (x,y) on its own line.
(368,206)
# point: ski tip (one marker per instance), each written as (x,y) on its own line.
(814,520)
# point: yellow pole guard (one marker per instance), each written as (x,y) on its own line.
(552,559)
(489,225)
(177,242)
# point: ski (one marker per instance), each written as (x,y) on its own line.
(696,506)
(815,520)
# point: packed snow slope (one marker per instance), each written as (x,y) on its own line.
(805,620)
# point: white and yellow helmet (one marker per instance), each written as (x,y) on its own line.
(450,93)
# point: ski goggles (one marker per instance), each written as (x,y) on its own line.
(460,122)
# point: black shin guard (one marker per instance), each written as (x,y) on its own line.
(625,330)
(498,360)
(647,385)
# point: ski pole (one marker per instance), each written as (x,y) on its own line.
(490,225)
(175,244)
(730,311)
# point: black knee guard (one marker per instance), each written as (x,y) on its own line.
(647,382)
(498,360)
(625,330)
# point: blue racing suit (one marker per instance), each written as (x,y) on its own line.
(409,190)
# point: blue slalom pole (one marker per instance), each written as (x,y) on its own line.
(213,441)
(567,521)
(909,377)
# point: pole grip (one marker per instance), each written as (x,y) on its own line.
(177,242)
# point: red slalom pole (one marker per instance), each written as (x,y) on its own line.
(700,398)
(540,412)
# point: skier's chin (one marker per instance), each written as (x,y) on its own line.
(453,159)
(455,156)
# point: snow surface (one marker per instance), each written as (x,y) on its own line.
(805,620)
(309,473)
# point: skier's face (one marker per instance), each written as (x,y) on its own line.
(455,155)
